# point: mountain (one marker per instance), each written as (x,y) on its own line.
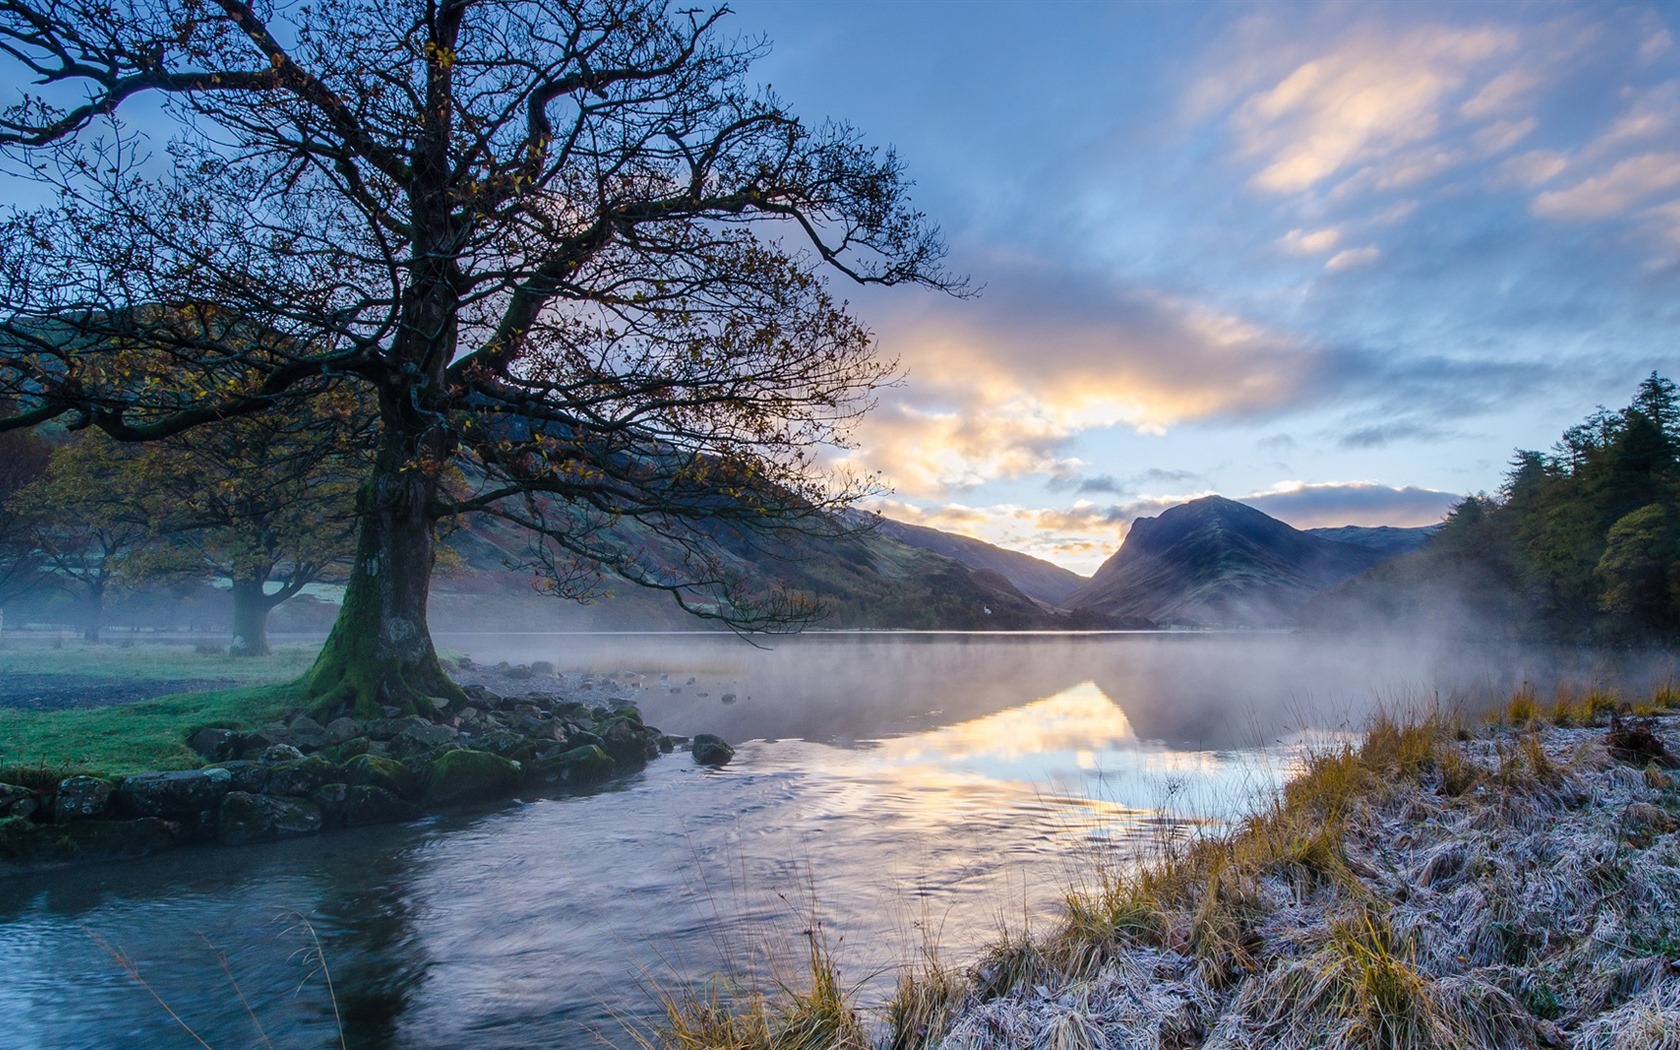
(863,578)
(1386,538)
(1033,577)
(1214,562)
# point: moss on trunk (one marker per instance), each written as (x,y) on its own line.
(380,650)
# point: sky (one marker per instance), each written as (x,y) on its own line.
(1336,260)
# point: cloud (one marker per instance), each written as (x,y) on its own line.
(1305,242)
(1368,97)
(1351,258)
(1079,538)
(1104,483)
(1501,135)
(1505,93)
(1382,434)
(998,387)
(1630,182)
(1329,504)
(1529,170)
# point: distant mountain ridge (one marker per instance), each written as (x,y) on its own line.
(1034,577)
(1390,538)
(863,578)
(1214,562)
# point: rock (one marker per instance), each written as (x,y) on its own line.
(342,729)
(342,753)
(247,776)
(438,704)
(727,698)
(581,765)
(518,672)
(541,667)
(366,804)
(81,798)
(303,724)
(667,744)
(386,774)
(332,799)
(260,740)
(626,740)
(17,801)
(303,776)
(214,745)
(279,754)
(421,736)
(504,742)
(181,794)
(710,750)
(27,844)
(248,818)
(388,728)
(470,776)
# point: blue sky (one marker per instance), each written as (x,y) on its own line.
(1336,260)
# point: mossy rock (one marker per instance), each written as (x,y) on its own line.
(246,818)
(387,774)
(581,765)
(627,740)
(342,753)
(457,777)
(178,794)
(365,804)
(28,844)
(303,776)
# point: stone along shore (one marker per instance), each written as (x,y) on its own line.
(298,777)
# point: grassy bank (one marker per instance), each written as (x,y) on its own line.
(1438,885)
(152,662)
(139,737)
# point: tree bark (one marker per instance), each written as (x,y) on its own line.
(93,613)
(380,650)
(250,618)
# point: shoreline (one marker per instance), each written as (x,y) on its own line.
(1511,885)
(294,777)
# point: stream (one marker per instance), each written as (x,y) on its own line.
(892,794)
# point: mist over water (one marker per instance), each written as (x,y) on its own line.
(893,790)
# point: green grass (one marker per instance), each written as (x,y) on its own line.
(102,660)
(132,738)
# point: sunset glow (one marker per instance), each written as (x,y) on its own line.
(1336,261)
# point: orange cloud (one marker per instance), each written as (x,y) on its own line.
(1367,97)
(998,388)
(1628,183)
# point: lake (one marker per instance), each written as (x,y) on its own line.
(891,793)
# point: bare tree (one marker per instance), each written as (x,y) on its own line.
(568,246)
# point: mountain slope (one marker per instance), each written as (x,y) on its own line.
(1214,562)
(862,578)
(1033,577)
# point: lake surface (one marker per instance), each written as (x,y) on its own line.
(890,793)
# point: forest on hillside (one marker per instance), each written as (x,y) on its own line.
(1581,543)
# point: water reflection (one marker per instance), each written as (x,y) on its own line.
(891,788)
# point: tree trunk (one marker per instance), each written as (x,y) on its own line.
(380,650)
(93,612)
(250,618)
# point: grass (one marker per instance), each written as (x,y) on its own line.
(39,748)
(129,738)
(1432,886)
(147,662)
(813,1011)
